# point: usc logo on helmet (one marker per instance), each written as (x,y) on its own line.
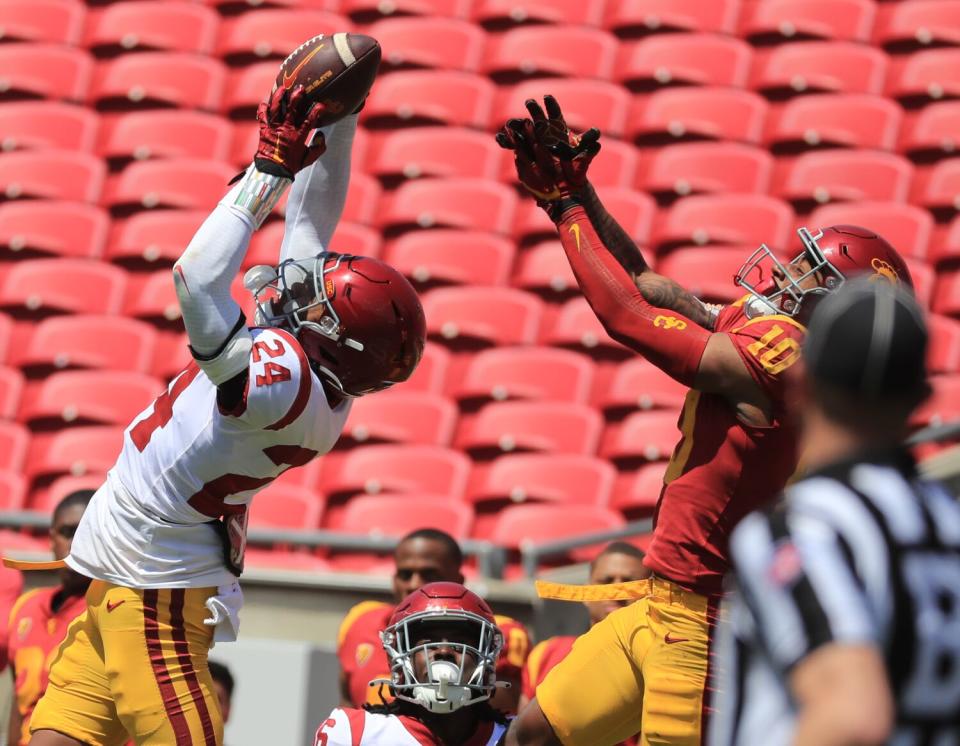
(884,271)
(669,322)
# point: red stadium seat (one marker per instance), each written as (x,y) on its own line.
(350,238)
(946,298)
(436,151)
(750,219)
(183,183)
(528,373)
(924,278)
(13,491)
(638,384)
(41,287)
(397,515)
(435,43)
(172,355)
(45,499)
(908,228)
(945,249)
(165,134)
(14,442)
(273,33)
(71,342)
(44,228)
(906,27)
(697,168)
(924,77)
(707,272)
(697,113)
(931,133)
(422,97)
(77,451)
(542,477)
(431,374)
(499,14)
(159,80)
(153,239)
(818,67)
(11,389)
(550,51)
(88,397)
(833,119)
(482,316)
(586,103)
(53,21)
(843,176)
(521,426)
(543,269)
(641,437)
(773,21)
(636,494)
(286,506)
(473,204)
(522,525)
(367,11)
(155,301)
(451,257)
(577,328)
(401,417)
(363,199)
(943,354)
(51,174)
(44,71)
(46,124)
(937,188)
(630,18)
(683,59)
(397,469)
(6,332)
(246,87)
(148,26)
(942,406)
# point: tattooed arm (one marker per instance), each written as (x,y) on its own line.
(656,289)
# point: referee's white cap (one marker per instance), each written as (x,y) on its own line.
(869,338)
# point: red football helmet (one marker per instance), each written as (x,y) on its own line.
(836,253)
(445,685)
(370,330)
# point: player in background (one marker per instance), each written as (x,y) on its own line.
(844,631)
(442,643)
(39,620)
(646,666)
(163,538)
(223,684)
(423,556)
(618,562)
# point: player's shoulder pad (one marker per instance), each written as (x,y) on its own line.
(279,380)
(339,727)
(27,600)
(361,611)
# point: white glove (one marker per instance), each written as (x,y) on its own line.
(225,607)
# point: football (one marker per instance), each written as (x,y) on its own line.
(336,70)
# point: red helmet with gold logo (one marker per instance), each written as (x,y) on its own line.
(832,255)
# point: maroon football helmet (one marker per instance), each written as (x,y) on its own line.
(358,320)
(836,253)
(446,685)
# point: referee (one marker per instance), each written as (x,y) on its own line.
(846,627)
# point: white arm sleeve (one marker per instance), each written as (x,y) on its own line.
(318,195)
(219,339)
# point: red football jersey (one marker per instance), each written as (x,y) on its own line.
(722,469)
(362,657)
(36,632)
(544,656)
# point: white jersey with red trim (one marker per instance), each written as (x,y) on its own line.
(354,727)
(185,463)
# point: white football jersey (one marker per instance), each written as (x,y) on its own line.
(354,727)
(185,462)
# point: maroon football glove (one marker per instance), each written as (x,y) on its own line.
(289,138)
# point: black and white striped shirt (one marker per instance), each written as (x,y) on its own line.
(863,552)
